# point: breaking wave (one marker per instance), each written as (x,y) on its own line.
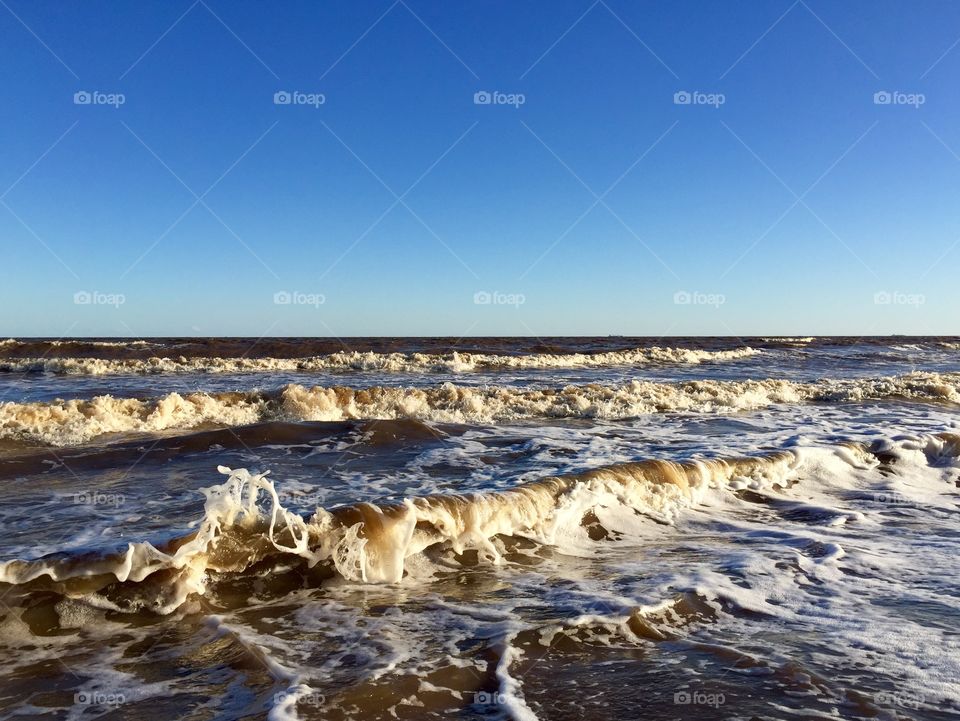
(70,422)
(245,527)
(82,343)
(370,361)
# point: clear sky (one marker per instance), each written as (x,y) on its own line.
(176,196)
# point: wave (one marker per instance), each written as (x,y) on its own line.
(103,343)
(66,423)
(13,342)
(245,528)
(371,361)
(72,422)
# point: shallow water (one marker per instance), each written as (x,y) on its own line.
(817,579)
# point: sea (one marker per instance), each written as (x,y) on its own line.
(480,528)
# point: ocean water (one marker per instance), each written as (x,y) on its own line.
(488,528)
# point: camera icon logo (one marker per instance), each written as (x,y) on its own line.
(482,97)
(682,97)
(882,298)
(681,297)
(82,297)
(82,97)
(882,97)
(488,698)
(282,97)
(482,297)
(282,297)
(682,698)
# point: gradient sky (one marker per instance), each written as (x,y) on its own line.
(785,210)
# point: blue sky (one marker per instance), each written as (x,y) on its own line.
(783,199)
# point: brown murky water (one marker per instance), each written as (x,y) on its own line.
(672,536)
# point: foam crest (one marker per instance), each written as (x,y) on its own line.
(370,361)
(180,568)
(64,423)
(244,524)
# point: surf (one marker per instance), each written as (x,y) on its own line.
(77,421)
(246,529)
(369,361)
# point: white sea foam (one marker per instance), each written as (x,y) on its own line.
(371,543)
(511,695)
(71,422)
(765,584)
(244,521)
(63,423)
(370,361)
